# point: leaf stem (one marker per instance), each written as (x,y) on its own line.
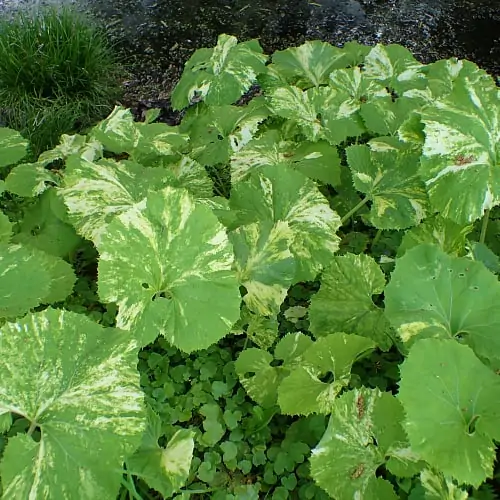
(351,212)
(376,238)
(33,426)
(484,225)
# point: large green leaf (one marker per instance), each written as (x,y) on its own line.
(163,469)
(387,172)
(394,66)
(264,263)
(79,385)
(88,148)
(95,193)
(452,409)
(318,160)
(167,263)
(344,302)
(461,156)
(364,429)
(432,294)
(321,113)
(13,147)
(43,229)
(282,194)
(444,233)
(30,180)
(220,75)
(24,280)
(304,392)
(144,142)
(260,376)
(216,132)
(438,487)
(309,64)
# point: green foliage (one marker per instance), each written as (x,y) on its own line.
(308,278)
(57,74)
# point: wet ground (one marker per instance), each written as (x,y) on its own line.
(156,37)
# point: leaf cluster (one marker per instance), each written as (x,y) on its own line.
(309,278)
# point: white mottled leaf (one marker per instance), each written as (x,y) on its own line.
(79,385)
(220,75)
(167,263)
(278,193)
(264,263)
(461,154)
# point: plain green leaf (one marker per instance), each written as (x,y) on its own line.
(163,469)
(79,384)
(42,228)
(5,228)
(303,392)
(433,294)
(344,302)
(13,146)
(452,409)
(259,377)
(30,180)
(24,279)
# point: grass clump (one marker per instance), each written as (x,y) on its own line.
(58,74)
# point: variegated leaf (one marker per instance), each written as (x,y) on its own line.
(78,385)
(364,425)
(217,132)
(80,145)
(461,155)
(394,66)
(386,171)
(278,193)
(321,113)
(96,192)
(167,263)
(318,160)
(220,75)
(443,233)
(264,263)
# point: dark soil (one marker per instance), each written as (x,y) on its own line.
(155,37)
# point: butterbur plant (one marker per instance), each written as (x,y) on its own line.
(357,174)
(58,74)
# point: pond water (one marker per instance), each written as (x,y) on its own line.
(155,37)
